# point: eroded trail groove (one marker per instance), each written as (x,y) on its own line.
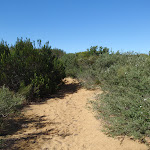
(64,123)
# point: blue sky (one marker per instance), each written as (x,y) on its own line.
(75,25)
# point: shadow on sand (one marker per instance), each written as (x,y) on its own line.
(18,124)
(37,123)
(66,89)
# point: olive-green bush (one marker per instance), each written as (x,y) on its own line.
(35,70)
(70,63)
(125,105)
(9,104)
(125,80)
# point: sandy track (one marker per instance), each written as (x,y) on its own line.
(64,123)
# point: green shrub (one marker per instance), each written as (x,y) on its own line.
(9,103)
(125,80)
(70,63)
(58,52)
(125,107)
(37,71)
(125,113)
(4,49)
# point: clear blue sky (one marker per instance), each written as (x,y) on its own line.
(75,25)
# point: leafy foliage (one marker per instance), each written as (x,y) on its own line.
(9,101)
(27,66)
(125,107)
(70,64)
(26,73)
(125,80)
(58,52)
(9,105)
(4,49)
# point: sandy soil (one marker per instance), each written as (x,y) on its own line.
(64,122)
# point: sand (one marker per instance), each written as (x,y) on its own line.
(64,122)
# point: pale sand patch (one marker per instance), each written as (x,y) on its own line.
(65,123)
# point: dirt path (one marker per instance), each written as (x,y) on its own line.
(65,123)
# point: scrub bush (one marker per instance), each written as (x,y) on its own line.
(70,63)
(125,80)
(9,104)
(35,70)
(125,105)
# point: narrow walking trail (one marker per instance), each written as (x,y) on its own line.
(64,122)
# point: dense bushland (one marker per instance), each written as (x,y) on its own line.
(28,73)
(125,80)
(76,64)
(70,63)
(125,105)
(33,71)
